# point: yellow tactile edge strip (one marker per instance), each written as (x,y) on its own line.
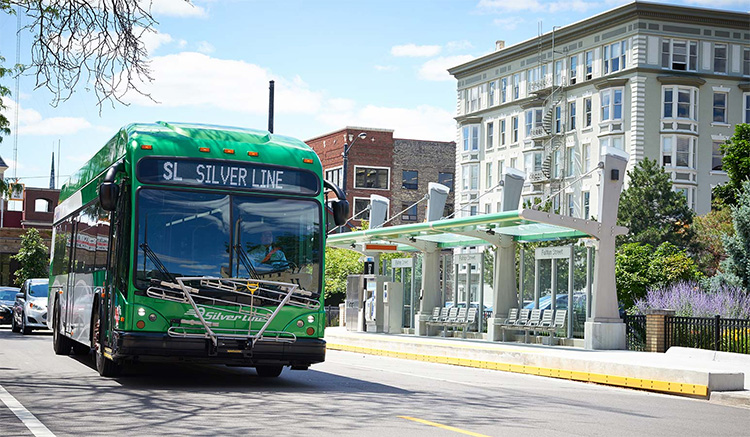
(620,381)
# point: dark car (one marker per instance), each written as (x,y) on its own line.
(7,299)
(30,308)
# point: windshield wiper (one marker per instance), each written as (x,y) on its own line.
(245,261)
(150,254)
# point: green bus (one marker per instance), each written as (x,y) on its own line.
(193,242)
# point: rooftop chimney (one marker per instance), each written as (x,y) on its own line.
(499,45)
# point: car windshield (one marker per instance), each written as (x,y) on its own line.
(8,294)
(184,233)
(38,289)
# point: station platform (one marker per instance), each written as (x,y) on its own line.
(719,376)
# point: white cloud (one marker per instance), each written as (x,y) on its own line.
(205,47)
(458,45)
(177,8)
(509,23)
(31,122)
(423,122)
(719,3)
(437,69)
(152,40)
(386,68)
(415,51)
(537,6)
(191,79)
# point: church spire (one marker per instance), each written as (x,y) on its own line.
(52,173)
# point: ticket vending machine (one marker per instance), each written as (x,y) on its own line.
(393,307)
(364,303)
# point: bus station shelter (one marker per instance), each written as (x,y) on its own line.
(505,230)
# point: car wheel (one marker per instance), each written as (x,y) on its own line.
(268,371)
(25,330)
(14,326)
(60,343)
(106,367)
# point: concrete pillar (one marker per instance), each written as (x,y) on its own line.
(504,285)
(655,330)
(429,295)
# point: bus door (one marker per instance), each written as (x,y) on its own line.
(87,265)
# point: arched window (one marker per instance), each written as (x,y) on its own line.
(41,205)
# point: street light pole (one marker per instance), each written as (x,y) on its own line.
(345,154)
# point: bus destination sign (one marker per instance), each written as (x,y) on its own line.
(227,174)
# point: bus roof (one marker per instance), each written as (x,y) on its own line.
(178,139)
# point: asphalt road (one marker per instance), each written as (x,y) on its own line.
(349,394)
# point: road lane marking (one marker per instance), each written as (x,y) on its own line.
(32,423)
(441,426)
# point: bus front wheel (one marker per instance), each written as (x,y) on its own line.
(105,366)
(268,371)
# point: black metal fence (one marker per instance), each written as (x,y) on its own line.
(714,333)
(332,315)
(636,332)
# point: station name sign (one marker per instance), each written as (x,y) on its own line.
(553,252)
(227,174)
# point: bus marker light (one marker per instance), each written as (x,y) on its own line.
(122,319)
(310,331)
(141,311)
(140,324)
(310,319)
(229,151)
(152,317)
(204,149)
(300,323)
(307,161)
(146,147)
(252,153)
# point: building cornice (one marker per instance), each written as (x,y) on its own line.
(744,86)
(611,83)
(607,19)
(681,80)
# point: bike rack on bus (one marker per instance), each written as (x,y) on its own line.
(266,298)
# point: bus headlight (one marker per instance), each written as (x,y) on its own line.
(310,319)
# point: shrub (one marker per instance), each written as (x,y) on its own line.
(688,299)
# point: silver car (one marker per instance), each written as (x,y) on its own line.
(30,308)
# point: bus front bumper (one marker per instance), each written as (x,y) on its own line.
(156,346)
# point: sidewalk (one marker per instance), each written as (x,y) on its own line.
(721,377)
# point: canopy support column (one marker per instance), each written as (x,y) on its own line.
(504,285)
(429,294)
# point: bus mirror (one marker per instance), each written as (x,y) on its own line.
(108,194)
(340,210)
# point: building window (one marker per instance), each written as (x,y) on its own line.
(502,132)
(571,157)
(571,205)
(471,137)
(41,205)
(720,108)
(559,67)
(514,126)
(746,109)
(493,85)
(503,90)
(679,55)
(410,179)
(410,212)
(514,163)
(371,177)
(680,102)
(587,112)
(360,205)
(445,178)
(678,151)
(556,163)
(614,57)
(516,86)
(471,177)
(573,69)
(720,58)
(335,175)
(612,141)
(490,135)
(473,210)
(611,104)
(589,59)
(586,202)
(688,192)
(586,158)
(716,156)
(572,116)
(488,174)
(558,119)
(746,61)
(533,120)
(500,169)
(473,99)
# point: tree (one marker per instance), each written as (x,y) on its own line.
(33,257)
(340,263)
(710,230)
(652,211)
(97,41)
(735,269)
(736,162)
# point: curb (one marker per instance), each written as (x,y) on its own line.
(677,388)
(733,399)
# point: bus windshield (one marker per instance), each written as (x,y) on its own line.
(182,233)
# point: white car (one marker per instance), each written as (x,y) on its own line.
(30,309)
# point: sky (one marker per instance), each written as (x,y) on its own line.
(376,64)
